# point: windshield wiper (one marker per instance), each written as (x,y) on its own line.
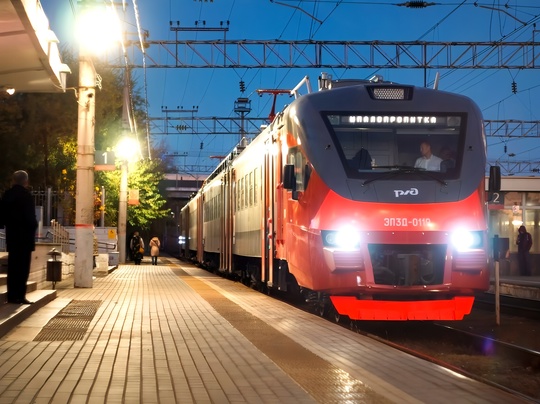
(398,170)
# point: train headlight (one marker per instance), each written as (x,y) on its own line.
(467,240)
(346,239)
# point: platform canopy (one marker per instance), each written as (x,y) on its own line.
(29,54)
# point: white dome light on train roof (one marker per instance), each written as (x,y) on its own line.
(390,92)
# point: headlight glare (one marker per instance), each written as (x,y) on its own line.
(346,239)
(466,240)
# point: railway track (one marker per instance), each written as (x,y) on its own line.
(490,360)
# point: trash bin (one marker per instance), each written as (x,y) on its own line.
(54,267)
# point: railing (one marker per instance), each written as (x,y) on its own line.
(57,205)
(102,245)
(59,236)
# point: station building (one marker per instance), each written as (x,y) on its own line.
(518,203)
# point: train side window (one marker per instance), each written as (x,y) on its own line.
(251,188)
(299,168)
(255,184)
(307,174)
(288,176)
(243,204)
(236,196)
(239,202)
(241,199)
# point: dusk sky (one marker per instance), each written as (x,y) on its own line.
(214,90)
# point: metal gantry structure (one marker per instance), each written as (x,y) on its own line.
(307,54)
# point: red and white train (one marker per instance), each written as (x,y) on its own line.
(327,201)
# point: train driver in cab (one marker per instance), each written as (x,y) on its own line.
(428,161)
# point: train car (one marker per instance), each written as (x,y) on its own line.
(366,197)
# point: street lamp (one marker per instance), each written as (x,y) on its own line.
(84,204)
(84,199)
(126,150)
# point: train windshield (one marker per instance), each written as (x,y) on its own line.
(371,143)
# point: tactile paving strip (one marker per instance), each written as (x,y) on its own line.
(325,382)
(71,323)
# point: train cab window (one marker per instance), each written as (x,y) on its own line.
(369,143)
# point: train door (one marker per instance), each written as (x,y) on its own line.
(183,240)
(200,226)
(223,221)
(267,227)
(225,251)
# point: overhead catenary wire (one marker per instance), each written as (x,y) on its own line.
(145,81)
(252,76)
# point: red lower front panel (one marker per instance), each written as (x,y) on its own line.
(451,309)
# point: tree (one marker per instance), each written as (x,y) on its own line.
(10,122)
(40,134)
(145,176)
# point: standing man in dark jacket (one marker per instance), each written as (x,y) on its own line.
(19,214)
(524,243)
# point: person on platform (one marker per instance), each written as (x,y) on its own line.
(154,249)
(137,248)
(524,243)
(19,217)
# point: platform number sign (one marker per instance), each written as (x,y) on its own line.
(496,200)
(104,160)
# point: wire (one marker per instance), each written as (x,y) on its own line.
(145,86)
(297,8)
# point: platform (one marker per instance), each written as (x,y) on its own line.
(523,287)
(177,334)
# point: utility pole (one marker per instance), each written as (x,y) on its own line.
(84,217)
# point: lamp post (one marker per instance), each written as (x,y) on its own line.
(126,149)
(84,216)
(90,27)
(122,212)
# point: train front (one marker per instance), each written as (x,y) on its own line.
(394,203)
